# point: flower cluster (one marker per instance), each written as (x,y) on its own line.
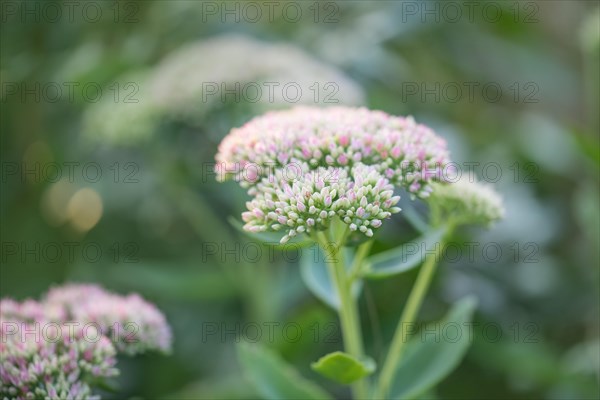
(467,202)
(61,369)
(408,154)
(307,165)
(134,325)
(361,197)
(59,347)
(180,81)
(190,86)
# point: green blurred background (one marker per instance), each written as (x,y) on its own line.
(120,89)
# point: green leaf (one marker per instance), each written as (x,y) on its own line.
(108,385)
(430,357)
(270,238)
(411,214)
(314,272)
(403,258)
(343,368)
(316,277)
(273,378)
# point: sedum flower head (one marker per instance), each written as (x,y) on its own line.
(306,165)
(59,347)
(361,197)
(48,361)
(134,325)
(467,202)
(408,154)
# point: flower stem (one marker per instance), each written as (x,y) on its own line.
(409,314)
(359,258)
(348,310)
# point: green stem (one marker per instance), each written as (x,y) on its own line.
(348,310)
(413,304)
(361,253)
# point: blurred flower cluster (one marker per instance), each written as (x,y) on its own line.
(202,78)
(134,325)
(466,201)
(63,345)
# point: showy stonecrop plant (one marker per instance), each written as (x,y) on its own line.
(328,177)
(63,346)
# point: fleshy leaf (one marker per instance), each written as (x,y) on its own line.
(403,258)
(273,378)
(430,358)
(343,368)
(413,216)
(314,272)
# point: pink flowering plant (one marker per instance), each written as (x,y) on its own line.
(330,177)
(66,344)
